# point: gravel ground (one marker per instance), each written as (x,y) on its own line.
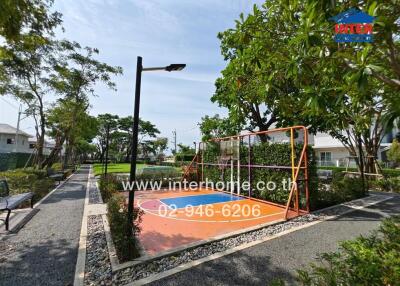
(44,251)
(94,194)
(97,267)
(144,270)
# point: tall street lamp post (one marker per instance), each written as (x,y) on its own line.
(139,70)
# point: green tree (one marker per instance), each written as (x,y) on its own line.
(29,15)
(28,65)
(71,118)
(147,130)
(158,147)
(283,56)
(185,149)
(256,86)
(215,126)
(394,152)
(74,80)
(106,121)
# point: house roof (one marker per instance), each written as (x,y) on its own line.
(8,129)
(353,16)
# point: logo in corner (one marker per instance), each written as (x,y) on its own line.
(353,26)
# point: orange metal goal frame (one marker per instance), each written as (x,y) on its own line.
(197,166)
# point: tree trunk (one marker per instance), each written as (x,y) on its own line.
(40,143)
(51,159)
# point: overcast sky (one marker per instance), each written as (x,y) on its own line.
(162,32)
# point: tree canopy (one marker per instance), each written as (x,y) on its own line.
(284,68)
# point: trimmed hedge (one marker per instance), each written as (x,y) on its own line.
(109,185)
(184,157)
(386,172)
(268,154)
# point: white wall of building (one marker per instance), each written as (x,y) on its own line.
(21,147)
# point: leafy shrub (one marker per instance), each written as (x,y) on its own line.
(388,185)
(342,189)
(117,214)
(19,181)
(67,173)
(40,174)
(42,187)
(348,189)
(163,174)
(108,186)
(28,180)
(386,172)
(57,167)
(372,260)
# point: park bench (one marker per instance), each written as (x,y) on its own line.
(326,175)
(9,203)
(56,176)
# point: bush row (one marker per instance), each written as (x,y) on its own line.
(184,157)
(28,180)
(342,189)
(109,185)
(117,213)
(126,245)
(386,172)
(391,184)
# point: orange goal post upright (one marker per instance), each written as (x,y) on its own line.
(249,157)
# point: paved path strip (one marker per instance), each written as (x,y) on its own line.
(44,251)
(280,257)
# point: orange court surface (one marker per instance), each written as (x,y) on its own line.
(173,219)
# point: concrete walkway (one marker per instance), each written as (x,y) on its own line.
(44,251)
(279,258)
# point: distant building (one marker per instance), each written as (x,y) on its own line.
(11,142)
(23,143)
(48,146)
(330,151)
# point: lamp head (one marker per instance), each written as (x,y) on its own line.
(175,67)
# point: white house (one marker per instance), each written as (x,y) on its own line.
(23,143)
(331,152)
(48,146)
(328,150)
(11,142)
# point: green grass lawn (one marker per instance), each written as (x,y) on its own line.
(119,168)
(115,168)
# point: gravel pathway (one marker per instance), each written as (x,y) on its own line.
(44,251)
(94,194)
